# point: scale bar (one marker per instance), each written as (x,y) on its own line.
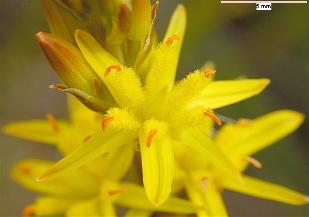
(271,2)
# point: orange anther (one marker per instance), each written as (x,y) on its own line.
(204,183)
(210,73)
(150,137)
(213,116)
(254,162)
(243,122)
(28,211)
(53,122)
(115,192)
(106,121)
(24,169)
(87,138)
(171,39)
(108,70)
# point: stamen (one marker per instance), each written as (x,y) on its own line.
(106,121)
(150,137)
(28,211)
(171,39)
(210,73)
(24,169)
(254,162)
(115,192)
(154,10)
(108,70)
(243,122)
(204,183)
(53,122)
(87,138)
(213,116)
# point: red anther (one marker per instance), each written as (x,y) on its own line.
(115,192)
(24,169)
(106,121)
(87,138)
(210,73)
(53,122)
(171,39)
(28,211)
(213,116)
(150,137)
(108,70)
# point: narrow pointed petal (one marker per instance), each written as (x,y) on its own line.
(135,197)
(255,135)
(140,20)
(266,190)
(48,206)
(222,93)
(116,77)
(197,198)
(84,208)
(198,141)
(157,161)
(166,56)
(26,172)
(214,200)
(35,130)
(61,19)
(99,144)
(97,57)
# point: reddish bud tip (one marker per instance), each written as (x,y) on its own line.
(115,192)
(24,169)
(210,73)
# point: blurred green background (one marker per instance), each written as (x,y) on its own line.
(241,41)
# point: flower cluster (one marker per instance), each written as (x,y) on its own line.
(136,139)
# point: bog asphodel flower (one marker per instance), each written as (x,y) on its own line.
(238,141)
(93,190)
(143,105)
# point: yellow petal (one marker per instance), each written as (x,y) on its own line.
(135,213)
(124,85)
(249,138)
(198,141)
(140,20)
(61,19)
(197,198)
(135,197)
(266,190)
(48,206)
(166,56)
(97,57)
(84,208)
(72,185)
(35,130)
(157,161)
(214,201)
(222,93)
(99,144)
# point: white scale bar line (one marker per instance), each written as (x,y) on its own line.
(272,2)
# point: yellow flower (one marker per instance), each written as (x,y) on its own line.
(238,141)
(142,104)
(93,189)
(81,193)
